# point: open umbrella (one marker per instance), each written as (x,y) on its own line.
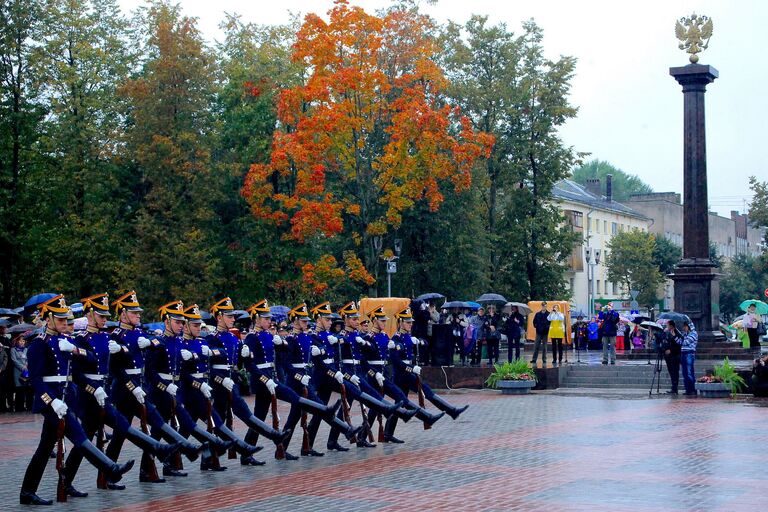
(455,304)
(21,328)
(651,325)
(639,319)
(521,307)
(491,297)
(9,313)
(678,318)
(761,307)
(31,305)
(473,305)
(430,296)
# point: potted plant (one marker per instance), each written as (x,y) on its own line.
(515,378)
(722,383)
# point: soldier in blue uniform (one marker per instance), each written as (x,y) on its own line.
(403,352)
(163,363)
(126,368)
(301,349)
(197,394)
(49,356)
(328,378)
(93,406)
(258,352)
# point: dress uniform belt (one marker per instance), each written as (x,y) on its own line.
(378,362)
(222,366)
(168,376)
(198,375)
(328,361)
(93,376)
(299,365)
(133,371)
(263,366)
(350,361)
(57,378)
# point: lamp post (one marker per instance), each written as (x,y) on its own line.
(392,265)
(593,258)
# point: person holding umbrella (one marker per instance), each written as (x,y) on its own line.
(751,321)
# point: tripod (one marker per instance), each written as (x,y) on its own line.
(656,373)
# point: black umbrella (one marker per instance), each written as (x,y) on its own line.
(651,325)
(455,304)
(639,319)
(20,328)
(9,313)
(678,318)
(491,297)
(430,296)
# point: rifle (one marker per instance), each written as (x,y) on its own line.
(61,486)
(280,451)
(345,409)
(214,457)
(378,418)
(147,461)
(101,477)
(419,389)
(232,453)
(362,407)
(305,446)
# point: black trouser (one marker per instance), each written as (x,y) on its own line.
(493,350)
(513,341)
(754,339)
(23,400)
(673,367)
(557,350)
(476,354)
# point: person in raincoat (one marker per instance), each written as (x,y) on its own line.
(556,333)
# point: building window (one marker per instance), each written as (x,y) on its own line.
(606,287)
(605,226)
(597,226)
(614,228)
(576,221)
(598,287)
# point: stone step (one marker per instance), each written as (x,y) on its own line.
(615,386)
(585,382)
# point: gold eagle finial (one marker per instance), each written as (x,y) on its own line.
(694,33)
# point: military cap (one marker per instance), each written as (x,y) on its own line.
(261,308)
(378,313)
(128,302)
(98,303)
(405,315)
(224,306)
(173,310)
(349,310)
(192,314)
(323,309)
(55,306)
(299,312)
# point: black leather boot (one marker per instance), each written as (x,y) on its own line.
(188,448)
(384,408)
(220,446)
(149,444)
(449,409)
(241,446)
(30,498)
(113,471)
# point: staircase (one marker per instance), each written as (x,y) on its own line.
(634,376)
(708,350)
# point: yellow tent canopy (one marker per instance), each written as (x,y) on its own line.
(564,307)
(391,305)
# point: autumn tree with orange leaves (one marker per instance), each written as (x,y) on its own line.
(365,138)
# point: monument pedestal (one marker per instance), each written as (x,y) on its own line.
(697,294)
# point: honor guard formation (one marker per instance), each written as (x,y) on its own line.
(184,388)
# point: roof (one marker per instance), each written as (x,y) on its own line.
(569,190)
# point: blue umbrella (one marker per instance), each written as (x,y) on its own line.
(9,312)
(31,305)
(156,326)
(430,296)
(455,304)
(279,313)
(473,305)
(76,308)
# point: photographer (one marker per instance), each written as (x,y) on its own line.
(688,356)
(671,340)
(760,377)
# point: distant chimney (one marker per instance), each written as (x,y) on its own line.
(593,186)
(609,187)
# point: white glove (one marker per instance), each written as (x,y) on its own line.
(416,341)
(361,341)
(100,395)
(355,380)
(277,340)
(205,350)
(271,386)
(66,346)
(205,389)
(333,340)
(380,379)
(172,389)
(139,394)
(417,369)
(143,342)
(315,350)
(305,380)
(339,377)
(228,383)
(245,351)
(114,347)
(185,354)
(59,407)
(391,345)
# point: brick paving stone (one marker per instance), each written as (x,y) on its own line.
(544,451)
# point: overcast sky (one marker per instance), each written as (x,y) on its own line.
(630,109)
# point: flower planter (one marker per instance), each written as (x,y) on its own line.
(515,387)
(713,390)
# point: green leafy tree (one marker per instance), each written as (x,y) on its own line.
(509,89)
(631,262)
(745,277)
(758,207)
(624,184)
(666,254)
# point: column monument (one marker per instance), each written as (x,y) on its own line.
(696,278)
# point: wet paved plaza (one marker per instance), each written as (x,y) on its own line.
(545,451)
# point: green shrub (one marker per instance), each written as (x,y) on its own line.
(518,369)
(727,372)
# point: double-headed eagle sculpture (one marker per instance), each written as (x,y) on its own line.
(694,33)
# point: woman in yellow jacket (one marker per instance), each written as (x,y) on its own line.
(556,333)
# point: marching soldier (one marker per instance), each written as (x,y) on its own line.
(127,371)
(162,369)
(403,351)
(328,378)
(259,353)
(196,393)
(94,408)
(50,355)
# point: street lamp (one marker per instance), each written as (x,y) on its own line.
(392,265)
(593,258)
